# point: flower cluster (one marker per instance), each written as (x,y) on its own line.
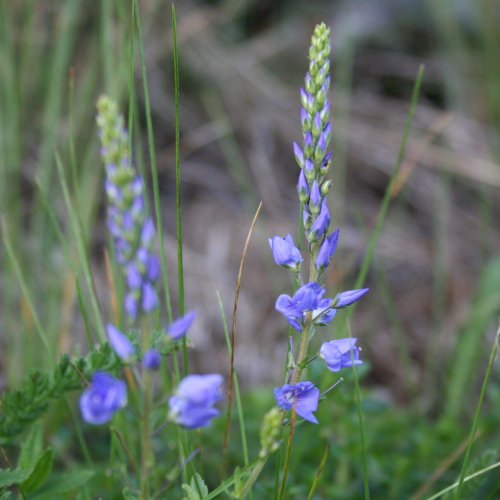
(308,307)
(132,229)
(133,234)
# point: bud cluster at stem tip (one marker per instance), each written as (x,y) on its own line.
(132,229)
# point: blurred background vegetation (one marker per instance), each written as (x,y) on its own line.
(428,323)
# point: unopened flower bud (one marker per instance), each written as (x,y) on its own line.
(269,430)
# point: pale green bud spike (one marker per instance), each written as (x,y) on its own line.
(269,430)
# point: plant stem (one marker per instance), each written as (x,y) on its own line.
(147,405)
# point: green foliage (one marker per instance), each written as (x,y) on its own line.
(22,407)
(196,489)
(62,484)
(40,472)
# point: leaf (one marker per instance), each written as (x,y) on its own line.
(63,483)
(31,448)
(40,472)
(128,494)
(9,477)
(196,488)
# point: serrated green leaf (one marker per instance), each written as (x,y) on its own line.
(63,483)
(129,494)
(31,448)
(197,489)
(40,472)
(8,477)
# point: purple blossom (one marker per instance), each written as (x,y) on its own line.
(306,298)
(285,253)
(315,195)
(348,297)
(192,404)
(322,222)
(151,359)
(180,326)
(308,143)
(103,398)
(309,165)
(120,343)
(327,250)
(299,155)
(340,353)
(303,187)
(149,297)
(304,395)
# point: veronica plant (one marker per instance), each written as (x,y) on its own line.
(308,307)
(193,403)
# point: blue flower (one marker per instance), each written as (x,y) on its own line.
(306,298)
(327,250)
(120,343)
(192,404)
(340,353)
(285,253)
(180,326)
(304,395)
(151,359)
(348,297)
(320,225)
(103,398)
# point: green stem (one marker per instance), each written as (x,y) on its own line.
(304,338)
(252,478)
(146,449)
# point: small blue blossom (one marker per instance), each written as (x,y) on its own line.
(285,253)
(120,343)
(180,326)
(151,359)
(348,297)
(327,250)
(307,298)
(304,395)
(192,404)
(103,398)
(320,225)
(340,353)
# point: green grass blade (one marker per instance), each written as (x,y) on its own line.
(372,243)
(239,406)
(82,252)
(362,431)
(154,168)
(24,288)
(475,422)
(178,211)
(465,479)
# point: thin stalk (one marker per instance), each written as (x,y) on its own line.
(239,406)
(467,478)
(178,211)
(288,452)
(233,337)
(359,405)
(318,473)
(147,406)
(154,167)
(24,288)
(372,243)
(475,422)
